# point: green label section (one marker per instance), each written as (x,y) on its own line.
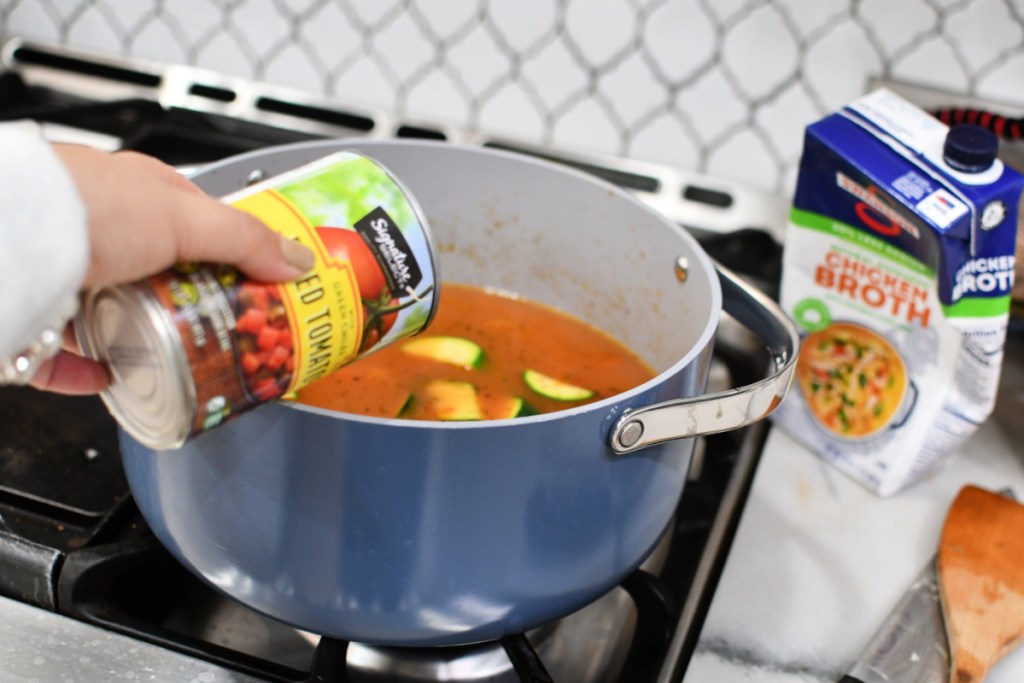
(848,233)
(347,190)
(978,308)
(971,307)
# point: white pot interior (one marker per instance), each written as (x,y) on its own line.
(546,233)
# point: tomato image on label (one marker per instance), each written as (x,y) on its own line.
(379,317)
(380,304)
(345,244)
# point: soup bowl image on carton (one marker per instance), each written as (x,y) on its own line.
(854,382)
(898,268)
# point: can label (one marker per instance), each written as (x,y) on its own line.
(247,342)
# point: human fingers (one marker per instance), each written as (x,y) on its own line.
(144,216)
(206,229)
(209,230)
(69,340)
(67,373)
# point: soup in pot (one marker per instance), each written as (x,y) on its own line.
(487,355)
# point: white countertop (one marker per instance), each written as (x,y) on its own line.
(37,646)
(818,561)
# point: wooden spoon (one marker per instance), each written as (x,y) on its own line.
(981,581)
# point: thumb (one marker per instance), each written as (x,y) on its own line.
(209,230)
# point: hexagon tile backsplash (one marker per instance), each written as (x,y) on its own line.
(723,87)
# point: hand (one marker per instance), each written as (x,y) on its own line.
(143,217)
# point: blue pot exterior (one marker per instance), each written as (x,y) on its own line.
(403,533)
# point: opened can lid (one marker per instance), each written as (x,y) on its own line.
(151,393)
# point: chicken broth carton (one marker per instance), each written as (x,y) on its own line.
(898,267)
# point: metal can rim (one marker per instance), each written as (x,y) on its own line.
(136,300)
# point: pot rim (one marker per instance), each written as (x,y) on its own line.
(706,267)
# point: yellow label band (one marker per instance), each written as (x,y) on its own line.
(324,308)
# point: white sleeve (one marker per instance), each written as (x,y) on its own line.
(44,242)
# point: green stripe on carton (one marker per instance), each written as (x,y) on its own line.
(852,235)
(978,308)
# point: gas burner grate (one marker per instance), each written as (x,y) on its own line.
(112,584)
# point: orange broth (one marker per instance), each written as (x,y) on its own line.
(514,334)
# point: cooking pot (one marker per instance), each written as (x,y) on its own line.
(398,532)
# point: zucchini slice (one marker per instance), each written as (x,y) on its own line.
(514,406)
(406,405)
(558,390)
(453,400)
(453,350)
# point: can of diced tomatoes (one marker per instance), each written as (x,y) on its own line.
(201,343)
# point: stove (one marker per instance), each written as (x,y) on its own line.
(86,589)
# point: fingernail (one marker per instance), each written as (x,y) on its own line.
(297,255)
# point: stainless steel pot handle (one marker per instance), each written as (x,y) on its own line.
(726,410)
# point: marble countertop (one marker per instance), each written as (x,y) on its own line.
(819,562)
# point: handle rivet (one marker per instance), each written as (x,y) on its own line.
(630,434)
(682,268)
(255,176)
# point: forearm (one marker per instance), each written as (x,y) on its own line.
(44,244)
